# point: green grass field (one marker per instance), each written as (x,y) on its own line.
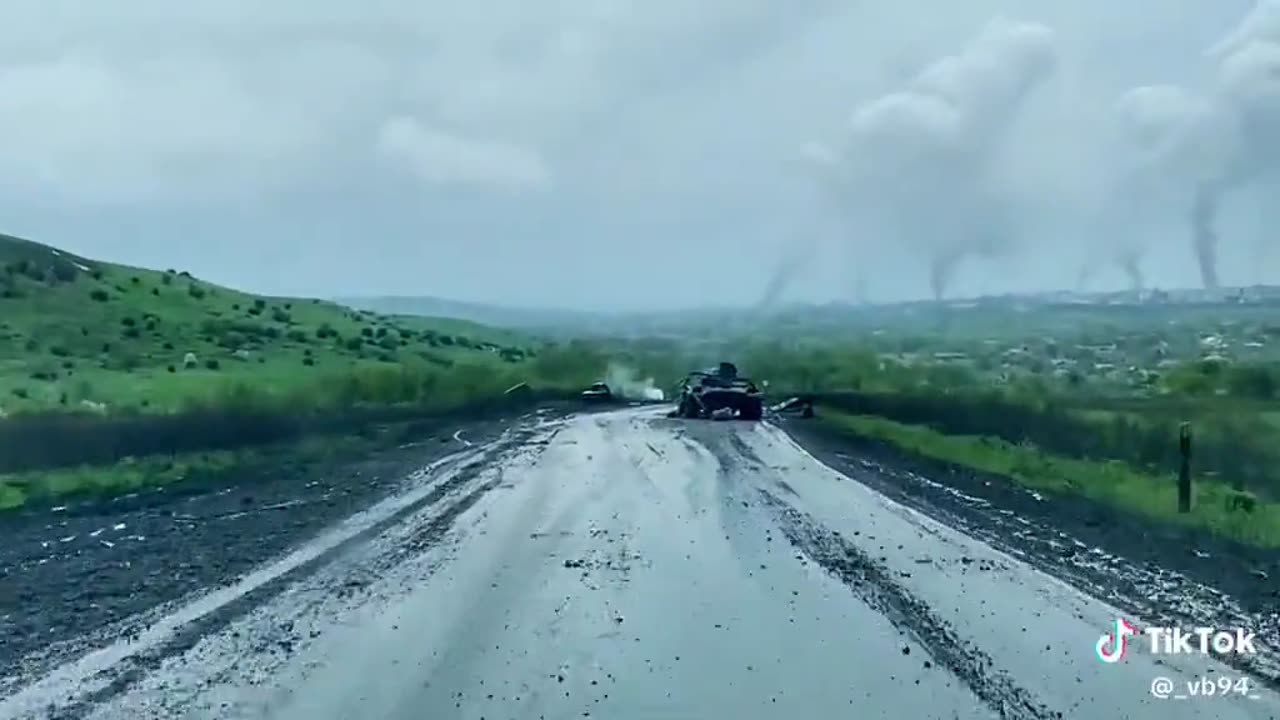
(81,333)
(1112,483)
(49,487)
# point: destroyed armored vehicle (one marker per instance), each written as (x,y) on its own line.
(719,393)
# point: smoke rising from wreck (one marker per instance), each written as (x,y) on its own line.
(627,384)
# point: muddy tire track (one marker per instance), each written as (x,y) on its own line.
(1162,576)
(124,675)
(80,577)
(872,583)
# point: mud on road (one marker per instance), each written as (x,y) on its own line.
(625,565)
(1165,574)
(78,576)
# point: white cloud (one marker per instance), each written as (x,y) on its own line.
(81,129)
(439,158)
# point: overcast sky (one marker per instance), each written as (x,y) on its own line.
(593,153)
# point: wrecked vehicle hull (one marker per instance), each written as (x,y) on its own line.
(719,393)
(721,403)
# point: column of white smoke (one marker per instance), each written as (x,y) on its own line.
(625,383)
(1184,150)
(916,166)
(1167,142)
(1248,92)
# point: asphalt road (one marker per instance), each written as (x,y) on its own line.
(627,566)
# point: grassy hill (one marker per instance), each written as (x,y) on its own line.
(82,333)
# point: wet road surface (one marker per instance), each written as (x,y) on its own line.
(628,566)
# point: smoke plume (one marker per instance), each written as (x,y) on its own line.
(626,383)
(916,165)
(1183,149)
(1205,239)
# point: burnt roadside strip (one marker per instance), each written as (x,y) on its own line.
(131,670)
(871,582)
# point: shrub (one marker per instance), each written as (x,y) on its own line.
(167,345)
(132,333)
(196,291)
(59,351)
(128,322)
(1252,381)
(354,343)
(1241,500)
(65,272)
(21,393)
(281,316)
(155,291)
(212,363)
(172,369)
(308,361)
(99,295)
(31,345)
(366,332)
(255,311)
(297,336)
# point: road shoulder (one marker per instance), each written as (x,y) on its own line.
(1164,575)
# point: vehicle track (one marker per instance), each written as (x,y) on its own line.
(626,565)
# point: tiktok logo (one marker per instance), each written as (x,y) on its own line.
(1111,646)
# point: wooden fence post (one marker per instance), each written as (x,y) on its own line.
(1184,472)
